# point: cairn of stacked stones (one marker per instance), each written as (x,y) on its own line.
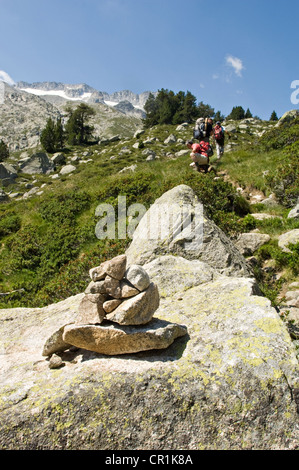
(115,293)
(115,315)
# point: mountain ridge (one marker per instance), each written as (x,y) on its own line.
(84,92)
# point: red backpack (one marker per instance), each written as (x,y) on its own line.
(218,133)
(206,149)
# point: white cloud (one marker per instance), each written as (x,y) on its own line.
(236,63)
(4,77)
(215,76)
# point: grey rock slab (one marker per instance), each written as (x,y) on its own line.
(37,163)
(231,383)
(8,174)
(174,274)
(294,213)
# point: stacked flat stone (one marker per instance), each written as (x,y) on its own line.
(115,315)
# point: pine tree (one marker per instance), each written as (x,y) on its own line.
(273,116)
(204,110)
(48,137)
(237,113)
(78,131)
(151,110)
(189,109)
(218,117)
(248,114)
(4,151)
(59,134)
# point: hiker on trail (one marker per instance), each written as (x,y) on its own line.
(199,156)
(209,129)
(219,138)
(203,129)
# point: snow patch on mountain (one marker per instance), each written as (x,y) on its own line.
(61,93)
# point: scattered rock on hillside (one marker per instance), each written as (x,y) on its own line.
(170,139)
(248,243)
(292,298)
(67,169)
(139,133)
(288,238)
(131,168)
(294,213)
(264,216)
(58,159)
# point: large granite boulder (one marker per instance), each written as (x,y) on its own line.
(230,383)
(37,163)
(177,224)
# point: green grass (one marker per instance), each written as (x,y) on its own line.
(248,167)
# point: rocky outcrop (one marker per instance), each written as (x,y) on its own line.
(8,174)
(23,116)
(288,117)
(230,382)
(37,163)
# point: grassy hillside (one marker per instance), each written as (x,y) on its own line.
(48,241)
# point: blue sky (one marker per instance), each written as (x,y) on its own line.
(231,53)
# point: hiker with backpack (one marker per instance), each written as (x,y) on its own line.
(200,155)
(219,138)
(203,129)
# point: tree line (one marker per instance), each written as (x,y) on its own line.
(168,107)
